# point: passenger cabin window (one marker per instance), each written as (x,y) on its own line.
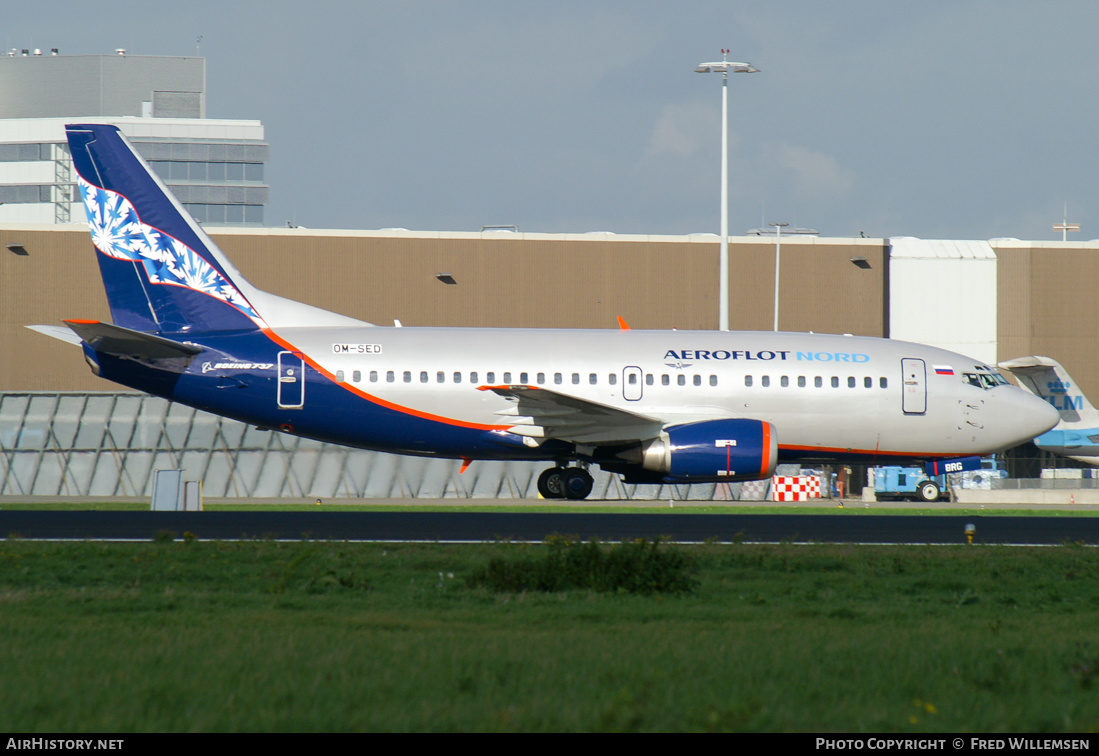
(818,381)
(576,379)
(339,376)
(784,381)
(390,376)
(541,378)
(747,380)
(407,376)
(801,381)
(524,378)
(373,376)
(457,377)
(648,379)
(883,382)
(357,376)
(490,376)
(698,380)
(423,376)
(593,379)
(558,378)
(612,379)
(440,377)
(713,380)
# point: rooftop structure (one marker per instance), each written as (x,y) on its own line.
(214,167)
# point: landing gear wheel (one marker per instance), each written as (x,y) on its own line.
(578,483)
(551,483)
(928,491)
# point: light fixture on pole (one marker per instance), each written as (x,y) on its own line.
(724,67)
(778,251)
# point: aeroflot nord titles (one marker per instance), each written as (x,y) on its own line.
(654,406)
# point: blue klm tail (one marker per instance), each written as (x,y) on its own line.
(161,271)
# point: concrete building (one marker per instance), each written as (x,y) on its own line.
(214,167)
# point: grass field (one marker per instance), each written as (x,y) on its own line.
(262,636)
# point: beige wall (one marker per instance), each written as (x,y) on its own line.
(1047,294)
(558,282)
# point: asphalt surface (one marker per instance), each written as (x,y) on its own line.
(456,527)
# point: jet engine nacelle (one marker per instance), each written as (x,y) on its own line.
(714,450)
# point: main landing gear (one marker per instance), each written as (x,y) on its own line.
(565,483)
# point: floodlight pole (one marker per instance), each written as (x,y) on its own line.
(723,266)
(778,253)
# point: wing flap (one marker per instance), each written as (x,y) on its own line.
(544,413)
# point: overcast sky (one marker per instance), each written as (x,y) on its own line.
(957,119)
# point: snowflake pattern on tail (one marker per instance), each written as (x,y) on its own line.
(118,232)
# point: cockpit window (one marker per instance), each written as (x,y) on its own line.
(985,378)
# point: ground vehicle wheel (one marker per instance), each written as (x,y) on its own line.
(928,491)
(551,483)
(578,483)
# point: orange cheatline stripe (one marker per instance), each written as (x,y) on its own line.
(507,386)
(374,399)
(869,452)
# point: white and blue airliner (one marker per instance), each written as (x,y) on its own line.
(653,406)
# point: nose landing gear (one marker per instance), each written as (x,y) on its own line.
(565,483)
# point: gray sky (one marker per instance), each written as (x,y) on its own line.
(956,119)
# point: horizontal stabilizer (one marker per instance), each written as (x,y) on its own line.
(57,332)
(116,340)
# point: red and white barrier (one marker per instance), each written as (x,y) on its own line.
(795,487)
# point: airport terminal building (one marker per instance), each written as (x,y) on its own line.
(65,432)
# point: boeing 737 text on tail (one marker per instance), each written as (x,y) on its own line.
(654,406)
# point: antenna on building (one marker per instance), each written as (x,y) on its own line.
(1064,226)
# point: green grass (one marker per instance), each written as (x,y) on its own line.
(263,636)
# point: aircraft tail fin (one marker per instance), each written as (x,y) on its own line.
(1046,378)
(162,273)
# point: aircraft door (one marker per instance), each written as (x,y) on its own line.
(291,391)
(631,384)
(914,400)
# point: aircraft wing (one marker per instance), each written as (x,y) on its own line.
(544,413)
